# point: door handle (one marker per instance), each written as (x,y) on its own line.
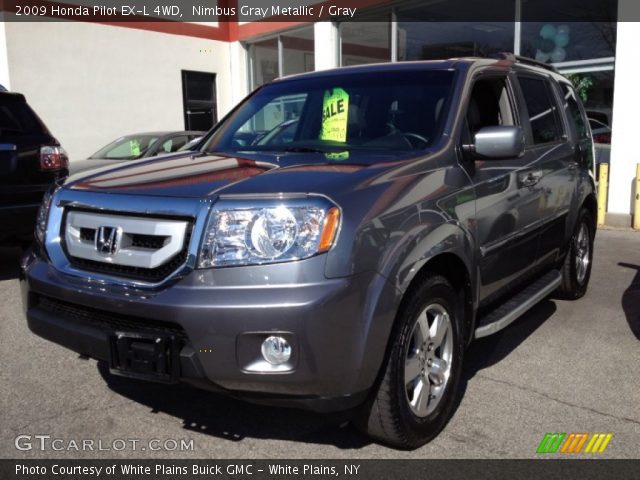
(529,179)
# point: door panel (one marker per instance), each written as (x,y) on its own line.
(508,226)
(555,159)
(508,196)
(577,158)
(558,186)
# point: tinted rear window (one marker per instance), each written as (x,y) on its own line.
(16,118)
(543,112)
(575,113)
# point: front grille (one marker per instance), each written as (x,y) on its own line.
(88,234)
(140,241)
(107,321)
(152,242)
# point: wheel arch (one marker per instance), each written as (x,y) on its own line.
(454,269)
(591,204)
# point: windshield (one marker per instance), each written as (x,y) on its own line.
(382,111)
(127,148)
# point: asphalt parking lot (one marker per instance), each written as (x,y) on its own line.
(563,367)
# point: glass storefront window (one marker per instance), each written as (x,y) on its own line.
(437,40)
(298,51)
(596,92)
(297,55)
(264,61)
(425,32)
(595,89)
(558,42)
(366,41)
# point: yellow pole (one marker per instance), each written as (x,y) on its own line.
(636,209)
(603,187)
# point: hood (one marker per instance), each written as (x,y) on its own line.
(104,164)
(207,174)
(78,166)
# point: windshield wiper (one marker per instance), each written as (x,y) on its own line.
(292,149)
(301,149)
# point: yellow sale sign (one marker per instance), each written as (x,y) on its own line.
(335,115)
(134,146)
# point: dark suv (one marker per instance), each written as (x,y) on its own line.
(30,160)
(413,208)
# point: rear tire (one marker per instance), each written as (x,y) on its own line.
(416,393)
(576,268)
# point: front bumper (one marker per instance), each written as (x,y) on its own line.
(338,327)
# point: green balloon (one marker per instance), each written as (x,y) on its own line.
(548,32)
(561,39)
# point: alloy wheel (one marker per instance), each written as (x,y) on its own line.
(582,255)
(427,366)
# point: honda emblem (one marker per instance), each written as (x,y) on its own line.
(108,240)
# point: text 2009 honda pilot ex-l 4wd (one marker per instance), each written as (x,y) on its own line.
(338,241)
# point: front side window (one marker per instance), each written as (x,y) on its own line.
(387,111)
(542,110)
(489,106)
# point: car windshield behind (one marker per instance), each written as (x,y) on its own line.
(127,148)
(382,111)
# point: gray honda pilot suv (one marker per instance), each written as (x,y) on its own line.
(336,244)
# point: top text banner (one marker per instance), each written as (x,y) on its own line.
(244,11)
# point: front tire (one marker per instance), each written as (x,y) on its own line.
(421,375)
(576,268)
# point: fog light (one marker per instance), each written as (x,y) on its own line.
(276,350)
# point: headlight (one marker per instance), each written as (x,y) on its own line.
(43,214)
(268,231)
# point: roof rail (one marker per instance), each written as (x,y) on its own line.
(525,60)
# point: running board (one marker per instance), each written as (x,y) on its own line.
(517,305)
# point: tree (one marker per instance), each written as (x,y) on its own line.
(582,84)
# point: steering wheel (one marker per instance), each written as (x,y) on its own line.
(414,140)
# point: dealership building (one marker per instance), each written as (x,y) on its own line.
(94,82)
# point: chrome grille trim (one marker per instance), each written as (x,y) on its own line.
(127,254)
(66,200)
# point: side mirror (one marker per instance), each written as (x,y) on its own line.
(499,142)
